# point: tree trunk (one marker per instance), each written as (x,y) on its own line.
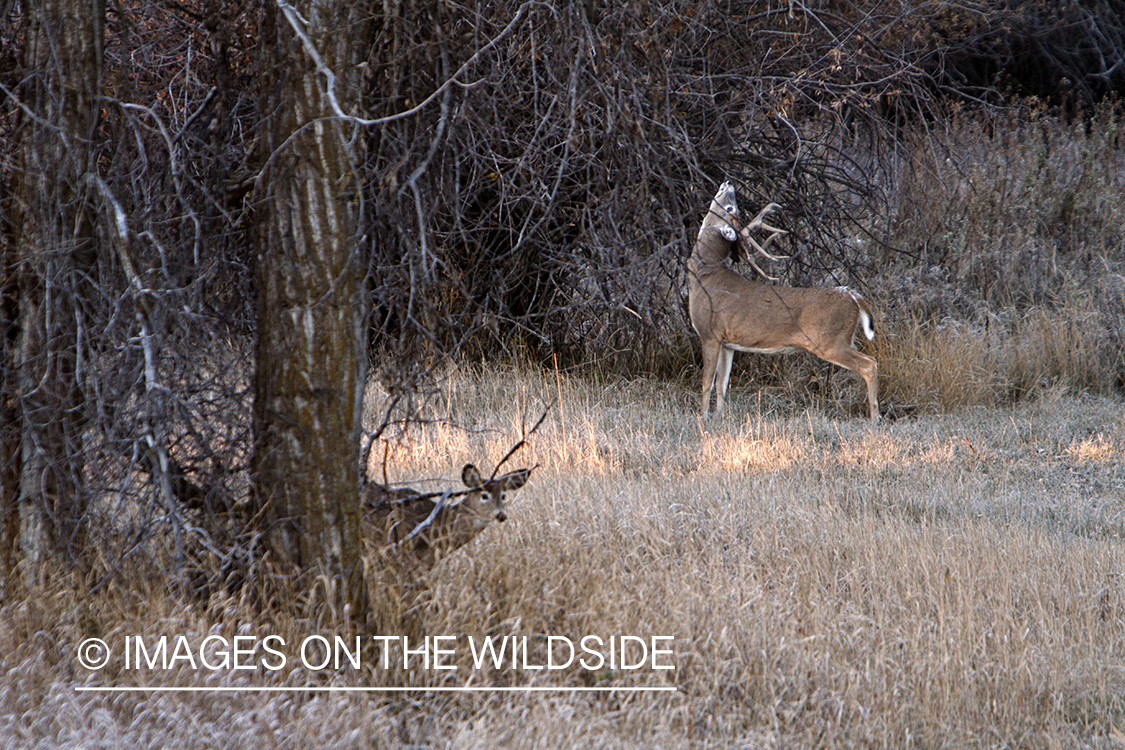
(308,382)
(48,267)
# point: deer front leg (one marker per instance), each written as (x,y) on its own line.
(711,353)
(722,377)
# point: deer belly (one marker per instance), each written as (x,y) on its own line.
(763,350)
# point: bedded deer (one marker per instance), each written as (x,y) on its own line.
(426,527)
(732,313)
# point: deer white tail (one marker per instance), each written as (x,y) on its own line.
(865,322)
(864,312)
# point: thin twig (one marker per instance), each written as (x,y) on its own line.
(520,444)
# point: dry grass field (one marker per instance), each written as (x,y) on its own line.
(940,581)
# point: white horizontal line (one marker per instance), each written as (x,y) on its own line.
(347,689)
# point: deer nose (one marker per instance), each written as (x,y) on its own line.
(501,516)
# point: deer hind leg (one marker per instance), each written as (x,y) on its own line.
(873,390)
(866,368)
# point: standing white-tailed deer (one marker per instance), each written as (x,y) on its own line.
(731,313)
(428,526)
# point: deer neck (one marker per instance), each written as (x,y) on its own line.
(710,253)
(715,273)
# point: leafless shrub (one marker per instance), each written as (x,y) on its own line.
(160,307)
(548,206)
(1067,53)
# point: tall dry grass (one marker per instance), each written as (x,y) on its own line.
(948,364)
(942,581)
(1010,280)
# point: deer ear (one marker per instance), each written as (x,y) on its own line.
(470,475)
(517,479)
(728,232)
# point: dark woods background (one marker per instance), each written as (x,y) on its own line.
(529,191)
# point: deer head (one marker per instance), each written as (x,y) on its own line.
(488,497)
(431,525)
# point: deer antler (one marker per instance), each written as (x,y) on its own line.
(744,238)
(757,223)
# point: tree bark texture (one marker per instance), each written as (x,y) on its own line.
(308,383)
(49,264)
